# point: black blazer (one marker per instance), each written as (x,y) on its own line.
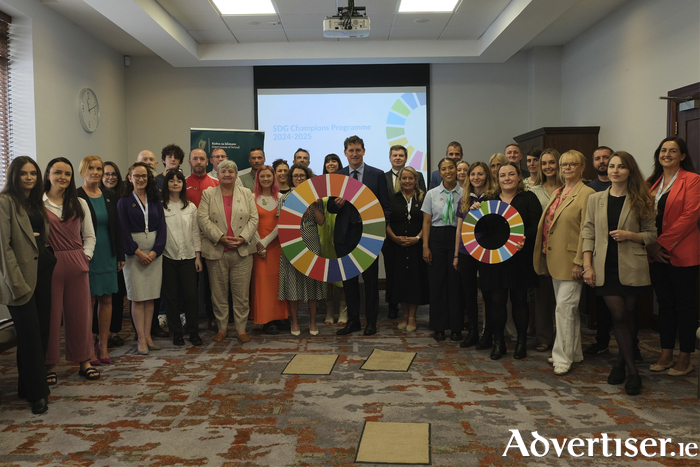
(348,223)
(390,184)
(115,231)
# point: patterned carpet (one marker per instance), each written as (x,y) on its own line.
(228,404)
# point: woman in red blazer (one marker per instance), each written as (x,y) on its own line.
(675,188)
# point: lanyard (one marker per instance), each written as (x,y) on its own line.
(143,209)
(660,193)
(408,206)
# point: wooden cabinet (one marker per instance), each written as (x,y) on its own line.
(581,138)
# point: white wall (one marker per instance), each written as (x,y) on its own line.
(614,73)
(482,106)
(61,59)
(163,103)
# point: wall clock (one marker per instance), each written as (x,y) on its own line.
(88,110)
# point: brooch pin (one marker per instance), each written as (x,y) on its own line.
(133,205)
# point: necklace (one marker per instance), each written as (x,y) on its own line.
(266,200)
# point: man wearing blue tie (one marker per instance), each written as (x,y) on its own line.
(348,230)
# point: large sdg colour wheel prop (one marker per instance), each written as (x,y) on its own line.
(491,233)
(373,228)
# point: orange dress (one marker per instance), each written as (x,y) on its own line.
(265,281)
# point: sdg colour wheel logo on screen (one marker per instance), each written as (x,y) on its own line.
(405,125)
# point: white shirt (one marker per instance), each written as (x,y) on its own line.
(87,231)
(184,238)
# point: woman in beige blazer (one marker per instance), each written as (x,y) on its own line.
(559,254)
(228,218)
(619,222)
(26,266)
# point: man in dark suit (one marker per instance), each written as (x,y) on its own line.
(348,231)
(398,156)
(454,152)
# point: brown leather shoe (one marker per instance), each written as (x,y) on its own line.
(221,335)
(244,338)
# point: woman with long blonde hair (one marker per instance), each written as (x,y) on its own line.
(405,230)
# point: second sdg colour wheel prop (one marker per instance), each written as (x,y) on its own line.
(373,228)
(491,233)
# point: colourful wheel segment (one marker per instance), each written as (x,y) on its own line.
(480,243)
(373,228)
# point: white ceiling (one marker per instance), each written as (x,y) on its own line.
(192,33)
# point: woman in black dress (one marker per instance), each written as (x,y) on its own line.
(410,273)
(514,276)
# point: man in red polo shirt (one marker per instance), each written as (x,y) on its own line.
(199,180)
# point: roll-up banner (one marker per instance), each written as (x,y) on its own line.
(236,143)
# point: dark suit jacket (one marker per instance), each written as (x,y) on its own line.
(390,184)
(348,224)
(116,240)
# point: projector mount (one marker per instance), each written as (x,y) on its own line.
(351,21)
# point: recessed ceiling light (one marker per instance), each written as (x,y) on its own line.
(421,20)
(427,6)
(254,23)
(245,7)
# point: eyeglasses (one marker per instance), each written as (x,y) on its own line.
(139,177)
(299,177)
(110,174)
(569,165)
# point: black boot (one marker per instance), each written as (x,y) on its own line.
(499,347)
(472,337)
(485,342)
(520,349)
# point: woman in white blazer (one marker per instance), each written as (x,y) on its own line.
(619,223)
(26,266)
(228,218)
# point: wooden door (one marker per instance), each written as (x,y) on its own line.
(686,123)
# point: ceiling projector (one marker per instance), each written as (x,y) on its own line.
(351,21)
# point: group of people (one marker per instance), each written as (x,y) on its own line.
(163,240)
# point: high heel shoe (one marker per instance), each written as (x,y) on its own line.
(499,348)
(401,326)
(313,333)
(295,333)
(520,350)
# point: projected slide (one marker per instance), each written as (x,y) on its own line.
(319,120)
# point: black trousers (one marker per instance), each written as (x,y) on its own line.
(352,295)
(32,322)
(180,281)
(678,312)
(205,292)
(468,269)
(444,281)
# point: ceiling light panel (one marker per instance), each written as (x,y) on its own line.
(427,6)
(245,7)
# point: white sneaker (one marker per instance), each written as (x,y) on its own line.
(163,321)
